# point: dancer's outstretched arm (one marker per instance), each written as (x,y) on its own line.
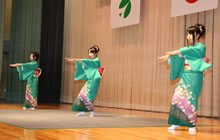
(168,54)
(72,59)
(15,65)
(164,58)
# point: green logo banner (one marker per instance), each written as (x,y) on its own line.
(125,13)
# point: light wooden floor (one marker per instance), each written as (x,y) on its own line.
(8,132)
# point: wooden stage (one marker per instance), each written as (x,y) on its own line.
(8,132)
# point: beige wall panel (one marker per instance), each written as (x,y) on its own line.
(216,63)
(133,78)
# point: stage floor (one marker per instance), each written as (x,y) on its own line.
(210,131)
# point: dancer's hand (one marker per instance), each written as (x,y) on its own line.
(164,58)
(15,65)
(67,59)
(70,59)
(12,65)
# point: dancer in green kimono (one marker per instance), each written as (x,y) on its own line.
(30,72)
(189,64)
(90,71)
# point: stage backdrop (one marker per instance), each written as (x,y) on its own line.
(133,78)
(51,51)
(25,38)
(2,17)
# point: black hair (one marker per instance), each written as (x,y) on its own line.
(200,30)
(94,49)
(35,55)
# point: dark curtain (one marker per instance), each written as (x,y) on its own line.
(51,51)
(24,39)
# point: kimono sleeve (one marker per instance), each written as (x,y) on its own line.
(190,52)
(90,67)
(80,73)
(194,56)
(26,70)
(176,66)
(91,63)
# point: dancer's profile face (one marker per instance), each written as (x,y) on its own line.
(32,57)
(92,55)
(189,37)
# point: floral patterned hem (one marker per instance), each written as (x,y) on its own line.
(29,99)
(183,108)
(82,102)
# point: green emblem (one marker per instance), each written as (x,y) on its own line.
(127,11)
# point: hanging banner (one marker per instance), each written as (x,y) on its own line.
(125,12)
(184,7)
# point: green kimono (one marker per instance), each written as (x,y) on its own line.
(184,104)
(87,70)
(27,72)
